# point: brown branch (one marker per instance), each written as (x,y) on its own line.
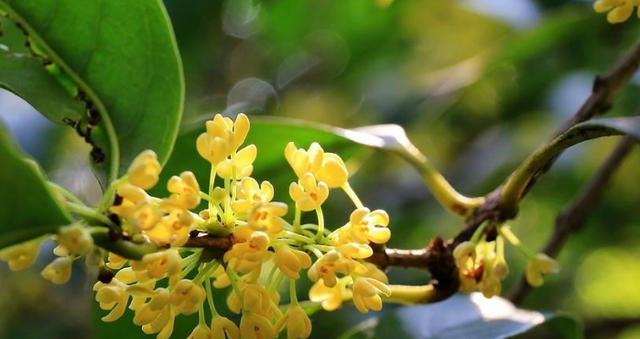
(601,99)
(573,217)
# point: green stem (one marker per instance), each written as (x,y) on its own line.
(293,295)
(478,233)
(233,278)
(201,320)
(122,247)
(90,214)
(205,272)
(298,237)
(212,179)
(108,197)
(516,184)
(506,232)
(352,195)
(296,220)
(443,192)
(320,234)
(65,193)
(212,306)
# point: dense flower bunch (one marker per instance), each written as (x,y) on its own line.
(618,10)
(265,247)
(482,265)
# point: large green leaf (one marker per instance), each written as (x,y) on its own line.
(26,77)
(122,55)
(27,208)
(461,317)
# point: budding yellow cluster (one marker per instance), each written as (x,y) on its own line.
(73,242)
(619,10)
(482,265)
(266,248)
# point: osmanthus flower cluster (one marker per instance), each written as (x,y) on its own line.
(266,248)
(482,266)
(618,10)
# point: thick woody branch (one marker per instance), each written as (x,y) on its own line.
(573,217)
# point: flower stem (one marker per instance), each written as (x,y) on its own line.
(320,234)
(352,195)
(90,215)
(293,295)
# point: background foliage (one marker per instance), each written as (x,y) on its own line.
(478,85)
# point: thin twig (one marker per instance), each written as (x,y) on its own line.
(573,217)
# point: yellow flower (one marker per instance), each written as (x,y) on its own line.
(490,286)
(333,171)
(328,265)
(366,294)
(463,252)
(538,266)
(132,196)
(355,250)
(185,190)
(369,226)
(330,297)
(266,217)
(251,194)
(223,137)
(303,161)
(157,265)
(253,250)
(619,10)
(309,194)
(223,328)
(112,296)
(256,326)
(187,296)
(58,271)
(327,167)
(297,323)
(172,229)
(256,299)
(156,316)
(242,161)
(21,256)
(372,271)
(291,261)
(201,331)
(144,170)
(75,239)
(146,216)
(221,278)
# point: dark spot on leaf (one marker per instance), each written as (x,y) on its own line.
(97,155)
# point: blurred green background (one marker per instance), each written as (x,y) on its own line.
(478,85)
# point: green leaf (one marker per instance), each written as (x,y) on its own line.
(28,209)
(460,317)
(626,125)
(26,77)
(123,58)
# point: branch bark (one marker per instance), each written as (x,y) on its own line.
(573,217)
